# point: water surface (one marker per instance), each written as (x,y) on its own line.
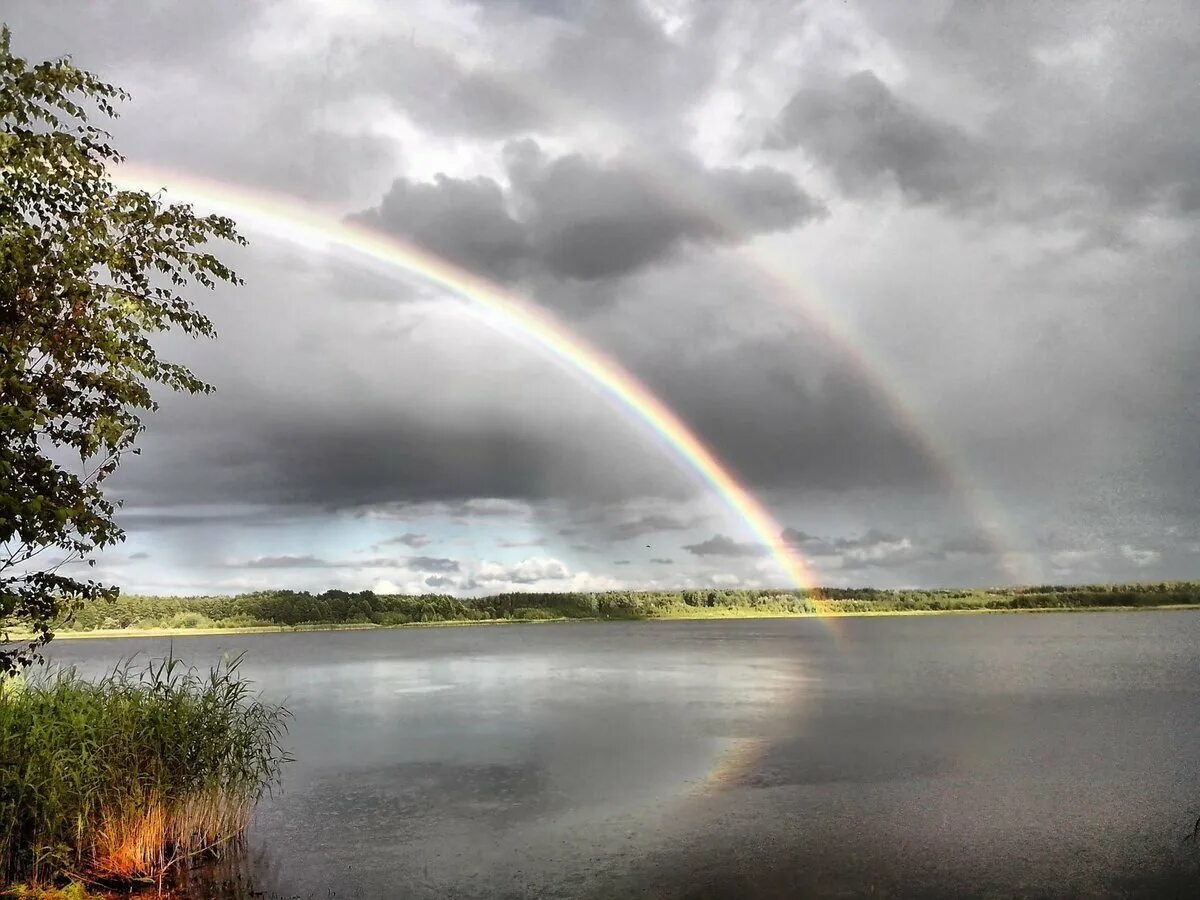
(1028,754)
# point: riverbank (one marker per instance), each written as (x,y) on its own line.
(688,615)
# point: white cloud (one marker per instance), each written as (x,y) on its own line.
(1140,557)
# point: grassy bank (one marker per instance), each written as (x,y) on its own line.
(125,778)
(681,615)
(293,610)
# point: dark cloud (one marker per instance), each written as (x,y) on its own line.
(663,561)
(1012,243)
(1088,116)
(721,545)
(575,217)
(465,221)
(385,463)
(787,411)
(864,133)
(590,220)
(817,546)
(650,523)
(874,548)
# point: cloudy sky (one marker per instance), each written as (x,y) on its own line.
(923,275)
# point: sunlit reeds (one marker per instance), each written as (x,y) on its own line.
(127,776)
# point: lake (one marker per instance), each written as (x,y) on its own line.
(907,756)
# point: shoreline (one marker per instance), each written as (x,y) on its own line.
(717,614)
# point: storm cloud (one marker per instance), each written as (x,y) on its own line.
(920,279)
(576,217)
(862,131)
(722,545)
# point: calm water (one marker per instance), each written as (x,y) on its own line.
(1031,754)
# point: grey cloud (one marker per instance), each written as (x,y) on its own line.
(284,562)
(432,564)
(592,220)
(971,543)
(465,221)
(1070,331)
(615,57)
(817,546)
(789,411)
(650,523)
(612,58)
(481,469)
(502,507)
(874,548)
(1090,110)
(309,561)
(123,33)
(722,545)
(408,539)
(441,581)
(182,516)
(258,126)
(441,92)
(576,218)
(621,562)
(663,561)
(863,132)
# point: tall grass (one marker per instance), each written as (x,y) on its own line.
(125,777)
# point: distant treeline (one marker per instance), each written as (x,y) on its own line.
(300,608)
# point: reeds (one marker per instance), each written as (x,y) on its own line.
(126,777)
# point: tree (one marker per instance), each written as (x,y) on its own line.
(88,275)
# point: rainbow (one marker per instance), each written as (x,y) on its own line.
(787,289)
(293,221)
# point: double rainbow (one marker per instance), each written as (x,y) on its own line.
(296,222)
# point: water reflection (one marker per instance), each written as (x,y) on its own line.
(596,760)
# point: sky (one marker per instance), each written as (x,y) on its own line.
(921,275)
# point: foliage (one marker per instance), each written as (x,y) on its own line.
(88,274)
(127,776)
(300,608)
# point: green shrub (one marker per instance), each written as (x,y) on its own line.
(188,620)
(533,614)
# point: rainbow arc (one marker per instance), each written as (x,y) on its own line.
(293,221)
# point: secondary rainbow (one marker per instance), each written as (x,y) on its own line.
(294,221)
(785,287)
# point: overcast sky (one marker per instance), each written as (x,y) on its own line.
(923,274)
